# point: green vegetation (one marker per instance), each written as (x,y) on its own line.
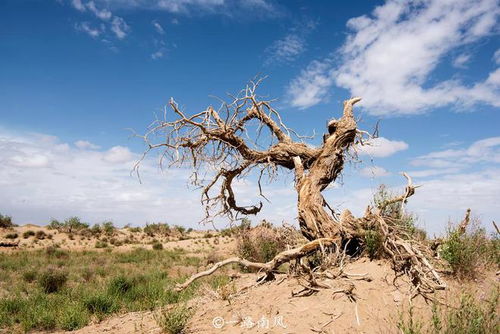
(260,244)
(52,281)
(40,235)
(108,228)
(80,287)
(157,245)
(394,214)
(373,241)
(174,320)
(467,251)
(472,316)
(11,236)
(28,234)
(6,221)
(101,244)
(157,229)
(70,225)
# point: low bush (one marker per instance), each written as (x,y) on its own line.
(174,320)
(52,281)
(260,244)
(472,316)
(157,246)
(40,235)
(70,225)
(373,242)
(467,251)
(28,234)
(100,304)
(6,221)
(30,275)
(108,228)
(101,244)
(11,236)
(157,229)
(120,285)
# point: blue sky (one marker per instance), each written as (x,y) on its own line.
(75,75)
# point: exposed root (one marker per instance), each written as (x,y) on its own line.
(269,267)
(407,255)
(216,143)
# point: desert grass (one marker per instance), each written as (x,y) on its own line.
(57,289)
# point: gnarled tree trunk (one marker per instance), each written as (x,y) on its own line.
(315,222)
(219,140)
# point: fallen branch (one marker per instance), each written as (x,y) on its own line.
(268,267)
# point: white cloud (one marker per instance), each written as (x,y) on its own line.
(41,177)
(496,57)
(432,172)
(159,29)
(189,7)
(374,172)
(103,13)
(91,30)
(29,160)
(84,144)
(449,196)
(381,147)
(119,27)
(287,49)
(461,60)
(116,24)
(485,150)
(311,86)
(78,5)
(389,56)
(118,154)
(157,55)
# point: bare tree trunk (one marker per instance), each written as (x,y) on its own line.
(315,222)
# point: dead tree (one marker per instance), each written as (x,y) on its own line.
(218,141)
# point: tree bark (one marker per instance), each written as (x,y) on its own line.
(315,222)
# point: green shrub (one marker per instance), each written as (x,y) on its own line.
(180,229)
(108,228)
(135,229)
(11,236)
(55,225)
(466,252)
(373,242)
(101,244)
(157,246)
(474,317)
(260,244)
(395,215)
(30,275)
(70,225)
(40,235)
(158,228)
(174,321)
(53,251)
(120,285)
(52,281)
(73,317)
(470,317)
(6,221)
(100,304)
(28,234)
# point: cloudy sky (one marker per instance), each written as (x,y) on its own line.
(76,75)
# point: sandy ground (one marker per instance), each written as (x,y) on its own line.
(196,242)
(270,307)
(374,306)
